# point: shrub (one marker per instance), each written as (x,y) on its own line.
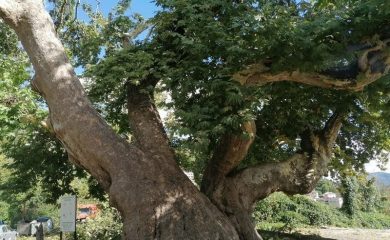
(372,220)
(106,226)
(291,219)
(285,212)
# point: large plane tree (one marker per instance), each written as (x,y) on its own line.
(259,90)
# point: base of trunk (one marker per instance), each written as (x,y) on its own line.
(174,211)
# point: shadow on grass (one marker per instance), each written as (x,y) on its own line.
(273,235)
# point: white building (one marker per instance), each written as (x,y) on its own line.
(329,198)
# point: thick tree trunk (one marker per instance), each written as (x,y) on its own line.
(155,198)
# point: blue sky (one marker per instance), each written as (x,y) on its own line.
(146,8)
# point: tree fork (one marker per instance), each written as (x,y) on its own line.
(239,191)
(230,151)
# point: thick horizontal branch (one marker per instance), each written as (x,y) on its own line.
(373,63)
(298,174)
(312,79)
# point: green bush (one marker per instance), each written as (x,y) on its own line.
(106,226)
(315,213)
(271,208)
(291,219)
(281,208)
(286,213)
(372,220)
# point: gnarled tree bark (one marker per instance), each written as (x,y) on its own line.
(230,151)
(240,190)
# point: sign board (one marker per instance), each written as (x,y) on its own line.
(68,214)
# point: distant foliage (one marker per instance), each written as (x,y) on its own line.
(359,194)
(369,195)
(350,195)
(325,185)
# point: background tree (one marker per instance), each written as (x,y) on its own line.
(350,195)
(220,62)
(326,185)
(34,170)
(359,193)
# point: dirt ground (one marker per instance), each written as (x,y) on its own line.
(351,234)
(329,233)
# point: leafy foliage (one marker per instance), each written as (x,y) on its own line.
(359,194)
(325,185)
(350,187)
(288,213)
(194,47)
(106,226)
(306,211)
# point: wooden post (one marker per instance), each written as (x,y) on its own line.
(39,234)
(75,222)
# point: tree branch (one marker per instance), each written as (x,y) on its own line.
(332,128)
(373,64)
(9,12)
(231,150)
(145,120)
(130,36)
(298,174)
(61,15)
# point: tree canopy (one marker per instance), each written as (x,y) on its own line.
(195,48)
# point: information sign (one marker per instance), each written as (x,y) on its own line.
(68,214)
